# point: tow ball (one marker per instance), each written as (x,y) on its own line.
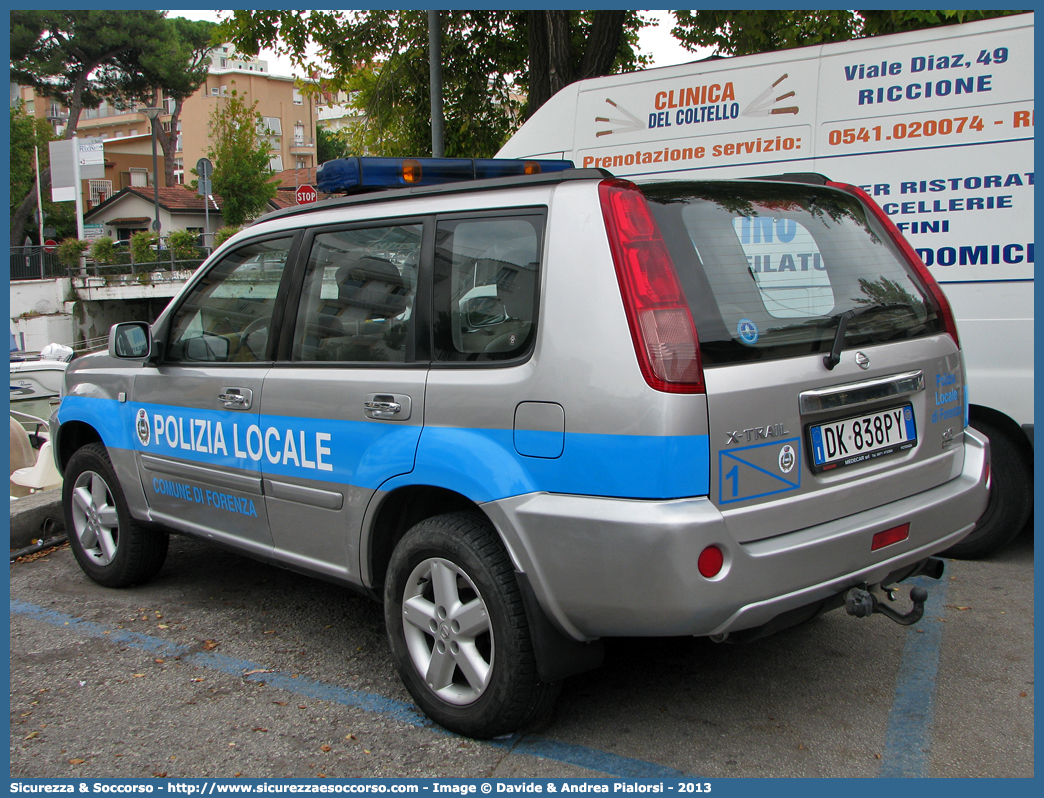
(863,602)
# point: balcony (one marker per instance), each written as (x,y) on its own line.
(302,144)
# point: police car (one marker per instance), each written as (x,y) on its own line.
(530,407)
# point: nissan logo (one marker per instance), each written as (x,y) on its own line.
(862,361)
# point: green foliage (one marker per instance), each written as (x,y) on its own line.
(331,144)
(746,32)
(103,250)
(70,251)
(222,235)
(242,176)
(27,132)
(183,244)
(141,245)
(381,58)
(176,66)
(80,57)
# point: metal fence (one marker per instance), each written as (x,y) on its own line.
(32,263)
(126,273)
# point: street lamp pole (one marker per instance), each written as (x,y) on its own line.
(153,115)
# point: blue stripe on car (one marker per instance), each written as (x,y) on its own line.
(482,464)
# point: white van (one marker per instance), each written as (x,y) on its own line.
(936,125)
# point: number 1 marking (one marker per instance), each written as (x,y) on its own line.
(733,474)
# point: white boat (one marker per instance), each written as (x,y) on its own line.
(32,464)
(39,376)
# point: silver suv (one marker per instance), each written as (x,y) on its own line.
(531,412)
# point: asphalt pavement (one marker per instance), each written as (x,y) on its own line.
(224,667)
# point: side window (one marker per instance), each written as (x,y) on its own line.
(485,287)
(358,295)
(226,317)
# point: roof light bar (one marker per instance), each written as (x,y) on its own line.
(356,175)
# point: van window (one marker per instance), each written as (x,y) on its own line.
(485,287)
(358,295)
(226,316)
(768,268)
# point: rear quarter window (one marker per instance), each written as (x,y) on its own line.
(485,287)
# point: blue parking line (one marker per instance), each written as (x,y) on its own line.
(527,745)
(908,739)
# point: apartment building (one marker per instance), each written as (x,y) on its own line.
(289,120)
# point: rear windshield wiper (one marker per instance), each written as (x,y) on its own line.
(834,357)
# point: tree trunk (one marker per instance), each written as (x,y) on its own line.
(603,44)
(167,142)
(25,209)
(539,82)
(559,51)
(551,63)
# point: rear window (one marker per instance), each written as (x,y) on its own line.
(768,269)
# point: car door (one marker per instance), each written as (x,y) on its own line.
(197,411)
(343,406)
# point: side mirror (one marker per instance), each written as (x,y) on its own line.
(130,340)
(483,311)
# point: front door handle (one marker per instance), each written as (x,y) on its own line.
(235,398)
(389,408)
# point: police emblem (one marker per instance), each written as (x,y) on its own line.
(141,424)
(787,458)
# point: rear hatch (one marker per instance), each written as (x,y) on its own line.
(778,275)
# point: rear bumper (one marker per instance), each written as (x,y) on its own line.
(612,567)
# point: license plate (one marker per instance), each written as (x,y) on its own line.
(862,438)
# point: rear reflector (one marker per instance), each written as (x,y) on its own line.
(710,561)
(661,323)
(890,536)
(949,325)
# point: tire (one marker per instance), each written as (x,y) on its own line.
(1011,498)
(111,547)
(477,678)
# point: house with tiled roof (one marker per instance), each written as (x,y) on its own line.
(289,180)
(132,209)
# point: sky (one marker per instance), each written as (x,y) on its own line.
(657,40)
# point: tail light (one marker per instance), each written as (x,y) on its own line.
(949,325)
(661,323)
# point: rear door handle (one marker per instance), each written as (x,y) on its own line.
(386,406)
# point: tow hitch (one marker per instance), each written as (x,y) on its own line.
(862,602)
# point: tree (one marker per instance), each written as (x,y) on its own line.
(28,133)
(747,32)
(76,58)
(176,68)
(330,144)
(239,150)
(491,60)
(567,46)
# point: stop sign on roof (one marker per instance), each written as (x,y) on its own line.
(306,194)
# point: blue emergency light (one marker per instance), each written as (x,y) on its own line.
(356,175)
